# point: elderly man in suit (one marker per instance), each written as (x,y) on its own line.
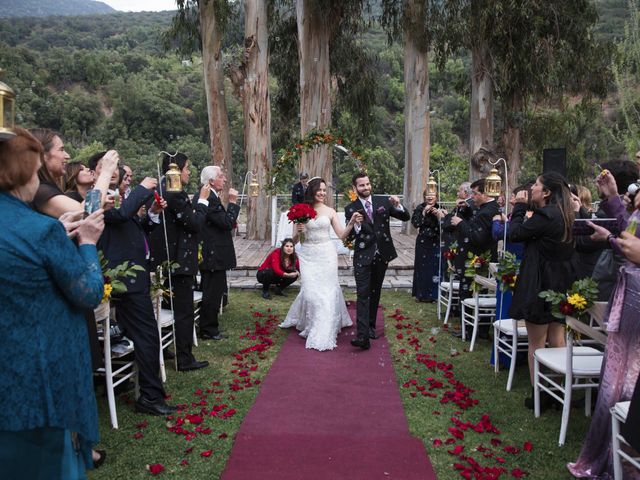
(184,221)
(125,239)
(297,194)
(218,253)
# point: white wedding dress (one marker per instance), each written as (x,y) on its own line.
(319,310)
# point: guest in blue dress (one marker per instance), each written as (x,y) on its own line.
(48,419)
(427,269)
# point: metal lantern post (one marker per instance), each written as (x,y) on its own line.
(493,188)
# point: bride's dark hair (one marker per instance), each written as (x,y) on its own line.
(312,189)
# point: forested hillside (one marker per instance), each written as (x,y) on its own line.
(42,8)
(106,81)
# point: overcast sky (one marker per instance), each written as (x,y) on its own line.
(141,5)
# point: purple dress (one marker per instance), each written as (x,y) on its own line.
(619,370)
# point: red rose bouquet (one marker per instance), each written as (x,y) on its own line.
(301,213)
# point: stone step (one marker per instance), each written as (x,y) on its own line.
(391,282)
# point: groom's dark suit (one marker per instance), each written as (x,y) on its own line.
(373,250)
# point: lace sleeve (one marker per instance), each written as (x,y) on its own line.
(75,270)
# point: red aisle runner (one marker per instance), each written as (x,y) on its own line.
(328,415)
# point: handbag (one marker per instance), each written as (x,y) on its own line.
(605,273)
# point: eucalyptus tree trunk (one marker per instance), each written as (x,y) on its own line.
(416,125)
(481,145)
(315,83)
(512,138)
(257,114)
(219,135)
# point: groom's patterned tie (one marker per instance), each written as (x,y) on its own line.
(369,209)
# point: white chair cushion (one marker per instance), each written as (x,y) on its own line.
(447,285)
(166,317)
(483,302)
(587,361)
(621,409)
(506,326)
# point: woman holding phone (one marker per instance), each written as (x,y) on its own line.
(547,260)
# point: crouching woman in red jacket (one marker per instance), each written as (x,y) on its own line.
(281,268)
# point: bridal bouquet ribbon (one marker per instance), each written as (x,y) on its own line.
(301,213)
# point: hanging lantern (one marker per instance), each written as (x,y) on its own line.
(174,184)
(7,110)
(254,187)
(432,186)
(493,184)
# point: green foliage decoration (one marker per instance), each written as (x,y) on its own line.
(290,157)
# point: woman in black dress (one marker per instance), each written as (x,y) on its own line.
(546,263)
(426,268)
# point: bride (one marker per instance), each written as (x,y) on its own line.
(319,310)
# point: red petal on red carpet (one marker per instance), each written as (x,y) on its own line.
(328,415)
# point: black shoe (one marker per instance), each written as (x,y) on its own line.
(265,295)
(279,292)
(546,401)
(159,407)
(195,365)
(360,342)
(103,455)
(217,336)
(372,333)
(168,354)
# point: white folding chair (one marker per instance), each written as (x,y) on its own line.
(166,330)
(619,414)
(570,368)
(124,369)
(509,338)
(448,296)
(197,302)
(480,309)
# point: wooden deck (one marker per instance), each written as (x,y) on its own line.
(251,253)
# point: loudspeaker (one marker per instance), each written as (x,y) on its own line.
(554,160)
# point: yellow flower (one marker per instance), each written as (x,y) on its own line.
(107,292)
(352,195)
(577,300)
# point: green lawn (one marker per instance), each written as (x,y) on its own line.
(224,388)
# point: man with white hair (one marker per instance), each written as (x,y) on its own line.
(218,253)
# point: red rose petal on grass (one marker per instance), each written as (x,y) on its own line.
(194,419)
(449,441)
(500,459)
(517,473)
(184,463)
(142,425)
(206,453)
(155,468)
(511,449)
(495,442)
(456,433)
(457,450)
(528,446)
(437,442)
(188,450)
(138,435)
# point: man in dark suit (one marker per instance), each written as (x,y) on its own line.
(373,250)
(184,222)
(125,239)
(218,253)
(473,234)
(299,189)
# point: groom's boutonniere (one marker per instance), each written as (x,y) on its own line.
(381,210)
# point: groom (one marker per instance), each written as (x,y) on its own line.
(373,250)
